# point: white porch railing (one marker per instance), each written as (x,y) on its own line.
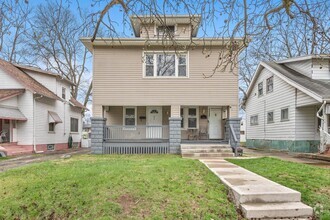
(324,132)
(148,133)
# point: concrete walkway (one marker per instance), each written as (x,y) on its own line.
(15,162)
(293,157)
(256,196)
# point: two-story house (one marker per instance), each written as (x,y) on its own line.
(154,89)
(288,105)
(37,112)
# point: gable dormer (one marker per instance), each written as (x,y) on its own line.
(182,26)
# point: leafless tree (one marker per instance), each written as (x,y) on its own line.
(55,45)
(14,16)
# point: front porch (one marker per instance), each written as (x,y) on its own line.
(158,129)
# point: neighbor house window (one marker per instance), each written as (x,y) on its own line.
(260,89)
(192,118)
(270,117)
(51,127)
(63,93)
(129,116)
(165,65)
(284,114)
(270,82)
(254,120)
(74,125)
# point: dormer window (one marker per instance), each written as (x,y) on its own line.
(165,31)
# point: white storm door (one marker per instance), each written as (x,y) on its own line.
(215,130)
(154,122)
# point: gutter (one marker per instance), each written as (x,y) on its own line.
(34,125)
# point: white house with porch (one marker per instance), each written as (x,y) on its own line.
(288,105)
(37,112)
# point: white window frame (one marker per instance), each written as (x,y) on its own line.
(53,131)
(270,91)
(156,29)
(176,53)
(262,84)
(130,127)
(270,122)
(256,123)
(63,92)
(186,117)
(75,132)
(286,119)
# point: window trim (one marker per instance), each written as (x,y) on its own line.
(273,121)
(51,131)
(74,132)
(130,127)
(63,88)
(254,124)
(176,53)
(267,91)
(186,117)
(288,119)
(156,26)
(262,83)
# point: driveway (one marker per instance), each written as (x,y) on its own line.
(7,164)
(293,157)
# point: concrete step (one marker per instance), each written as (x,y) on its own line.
(204,146)
(276,210)
(206,155)
(207,150)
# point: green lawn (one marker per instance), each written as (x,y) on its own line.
(312,182)
(114,187)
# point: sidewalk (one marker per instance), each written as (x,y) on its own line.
(15,162)
(293,157)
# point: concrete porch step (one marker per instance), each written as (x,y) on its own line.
(207,150)
(206,155)
(204,146)
(276,210)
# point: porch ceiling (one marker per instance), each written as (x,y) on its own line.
(11,114)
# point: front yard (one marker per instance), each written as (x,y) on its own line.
(117,187)
(312,182)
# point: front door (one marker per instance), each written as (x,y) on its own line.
(154,122)
(215,119)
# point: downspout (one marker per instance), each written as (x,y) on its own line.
(34,125)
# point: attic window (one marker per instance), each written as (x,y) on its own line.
(165,31)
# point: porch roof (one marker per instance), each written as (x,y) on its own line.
(9,93)
(11,114)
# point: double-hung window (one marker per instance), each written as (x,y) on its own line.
(285,114)
(192,118)
(270,117)
(270,84)
(74,124)
(129,116)
(169,64)
(260,89)
(254,120)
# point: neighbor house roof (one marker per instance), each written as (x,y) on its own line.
(9,93)
(38,70)
(303,58)
(27,81)
(76,103)
(317,89)
(138,20)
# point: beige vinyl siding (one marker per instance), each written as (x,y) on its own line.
(183,31)
(118,80)
(306,123)
(304,100)
(304,67)
(147,31)
(321,69)
(283,96)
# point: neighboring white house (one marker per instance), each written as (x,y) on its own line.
(36,109)
(287,105)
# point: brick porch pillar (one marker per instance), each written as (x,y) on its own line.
(98,124)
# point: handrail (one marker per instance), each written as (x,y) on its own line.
(233,132)
(321,109)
